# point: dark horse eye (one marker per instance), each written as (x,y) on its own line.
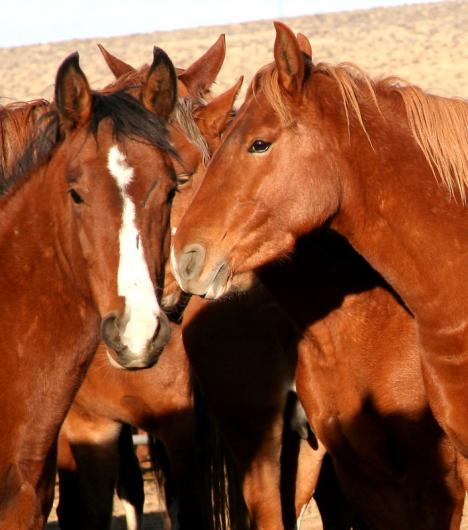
(77,198)
(259,146)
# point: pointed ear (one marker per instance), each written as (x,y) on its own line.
(213,118)
(73,96)
(159,90)
(116,65)
(288,58)
(200,75)
(304,45)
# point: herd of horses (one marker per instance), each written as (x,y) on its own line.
(276,294)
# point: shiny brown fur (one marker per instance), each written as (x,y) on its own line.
(56,283)
(159,399)
(373,160)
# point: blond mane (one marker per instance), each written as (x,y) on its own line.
(183,116)
(439,125)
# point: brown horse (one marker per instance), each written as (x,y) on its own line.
(358,365)
(81,189)
(382,163)
(359,379)
(159,399)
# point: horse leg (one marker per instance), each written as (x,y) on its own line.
(130,488)
(88,460)
(27,489)
(177,460)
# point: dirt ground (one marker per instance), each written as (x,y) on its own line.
(426,44)
(156,519)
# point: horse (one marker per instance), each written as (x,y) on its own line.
(81,190)
(359,379)
(159,398)
(383,163)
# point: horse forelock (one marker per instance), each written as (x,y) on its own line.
(438,124)
(129,118)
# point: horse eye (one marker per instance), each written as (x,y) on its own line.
(77,198)
(259,146)
(182,179)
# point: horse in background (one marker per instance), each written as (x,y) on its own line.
(384,164)
(60,292)
(159,399)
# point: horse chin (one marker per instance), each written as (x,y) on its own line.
(126,360)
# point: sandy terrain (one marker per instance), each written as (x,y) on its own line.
(426,44)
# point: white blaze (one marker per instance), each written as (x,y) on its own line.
(134,280)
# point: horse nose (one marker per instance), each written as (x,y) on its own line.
(163,334)
(191,262)
(110,332)
(120,354)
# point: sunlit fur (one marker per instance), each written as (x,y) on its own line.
(438,124)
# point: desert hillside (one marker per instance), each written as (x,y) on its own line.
(426,44)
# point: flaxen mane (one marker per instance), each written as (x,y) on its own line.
(439,125)
(184,118)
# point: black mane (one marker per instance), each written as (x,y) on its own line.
(42,135)
(130,118)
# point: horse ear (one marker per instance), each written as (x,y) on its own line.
(73,96)
(288,58)
(116,65)
(201,74)
(159,90)
(304,45)
(213,118)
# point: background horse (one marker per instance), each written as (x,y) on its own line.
(59,289)
(383,163)
(159,399)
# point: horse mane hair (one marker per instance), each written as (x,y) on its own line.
(438,124)
(30,132)
(184,118)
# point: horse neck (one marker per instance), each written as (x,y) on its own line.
(396,214)
(34,227)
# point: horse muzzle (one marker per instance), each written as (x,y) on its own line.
(122,356)
(196,276)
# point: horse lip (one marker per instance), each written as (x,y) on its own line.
(219,283)
(126,361)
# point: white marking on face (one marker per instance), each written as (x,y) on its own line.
(134,281)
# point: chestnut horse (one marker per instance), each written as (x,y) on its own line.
(359,379)
(384,164)
(76,188)
(159,399)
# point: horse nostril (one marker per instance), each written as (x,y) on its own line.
(191,261)
(110,332)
